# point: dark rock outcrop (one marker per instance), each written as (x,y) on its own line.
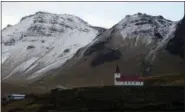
(100,29)
(106,55)
(10,42)
(30,47)
(98,46)
(177,44)
(66,50)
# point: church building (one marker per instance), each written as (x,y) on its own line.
(127,80)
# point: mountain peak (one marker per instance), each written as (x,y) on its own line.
(7,26)
(48,24)
(31,15)
(144,23)
(136,14)
(139,14)
(42,12)
(159,17)
(48,15)
(143,15)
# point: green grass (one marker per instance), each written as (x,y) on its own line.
(25,105)
(169,79)
(15,105)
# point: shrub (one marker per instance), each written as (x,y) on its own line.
(30,47)
(10,42)
(42,41)
(66,50)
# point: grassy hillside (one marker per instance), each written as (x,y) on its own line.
(127,99)
(7,88)
(167,79)
(159,79)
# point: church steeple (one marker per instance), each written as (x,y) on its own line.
(117,69)
(117,75)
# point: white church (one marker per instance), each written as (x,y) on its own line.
(127,80)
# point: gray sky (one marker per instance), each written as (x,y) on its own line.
(105,14)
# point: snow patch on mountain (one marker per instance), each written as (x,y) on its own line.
(52,38)
(152,54)
(4,57)
(139,27)
(142,25)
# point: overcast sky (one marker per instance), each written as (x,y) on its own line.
(104,14)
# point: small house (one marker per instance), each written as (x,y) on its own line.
(16,96)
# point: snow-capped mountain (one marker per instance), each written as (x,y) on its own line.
(139,30)
(52,49)
(41,42)
(141,26)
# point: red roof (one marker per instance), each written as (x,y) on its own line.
(129,78)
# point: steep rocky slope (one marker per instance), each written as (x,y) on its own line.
(42,42)
(177,44)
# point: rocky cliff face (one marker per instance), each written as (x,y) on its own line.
(176,45)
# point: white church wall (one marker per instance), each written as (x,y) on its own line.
(128,83)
